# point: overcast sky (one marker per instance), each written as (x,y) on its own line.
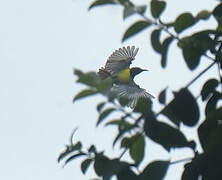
(41,42)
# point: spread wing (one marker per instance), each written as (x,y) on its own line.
(121,59)
(130,91)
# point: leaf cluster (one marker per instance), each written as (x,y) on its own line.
(133,128)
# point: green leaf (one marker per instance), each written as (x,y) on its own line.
(104,114)
(141,9)
(190,173)
(70,149)
(100,106)
(85,93)
(100,165)
(162,96)
(164,134)
(101,3)
(210,131)
(206,165)
(203,15)
(143,105)
(183,108)
(194,46)
(156,170)
(157,7)
(114,122)
(106,167)
(124,127)
(71,158)
(92,149)
(217,12)
(208,88)
(155,40)
(127,174)
(184,21)
(130,10)
(164,52)
(137,148)
(90,78)
(212,102)
(85,165)
(135,28)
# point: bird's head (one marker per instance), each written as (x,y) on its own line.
(136,70)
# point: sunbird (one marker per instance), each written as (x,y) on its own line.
(117,68)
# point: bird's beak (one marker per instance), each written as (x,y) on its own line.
(145,70)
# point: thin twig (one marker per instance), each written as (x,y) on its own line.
(124,152)
(219,74)
(164,28)
(200,74)
(182,160)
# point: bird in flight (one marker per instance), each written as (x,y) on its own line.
(117,68)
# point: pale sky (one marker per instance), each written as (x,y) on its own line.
(41,42)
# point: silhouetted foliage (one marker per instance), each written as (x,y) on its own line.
(182,109)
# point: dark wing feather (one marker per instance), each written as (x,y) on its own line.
(121,59)
(130,91)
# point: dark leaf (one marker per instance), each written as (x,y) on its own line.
(203,15)
(100,106)
(157,7)
(104,114)
(85,165)
(206,165)
(126,2)
(155,40)
(108,167)
(101,2)
(183,108)
(217,12)
(85,93)
(156,170)
(210,131)
(74,157)
(212,102)
(135,28)
(165,135)
(143,105)
(130,10)
(70,149)
(162,96)
(184,21)
(141,9)
(92,149)
(195,46)
(100,165)
(190,173)
(127,174)
(118,122)
(137,148)
(208,88)
(165,47)
(123,101)
(124,127)
(90,78)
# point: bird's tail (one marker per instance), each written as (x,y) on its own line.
(103,74)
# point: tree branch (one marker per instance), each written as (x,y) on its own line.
(182,160)
(200,74)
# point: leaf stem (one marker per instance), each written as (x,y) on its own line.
(181,160)
(200,74)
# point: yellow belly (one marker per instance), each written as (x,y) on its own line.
(124,76)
